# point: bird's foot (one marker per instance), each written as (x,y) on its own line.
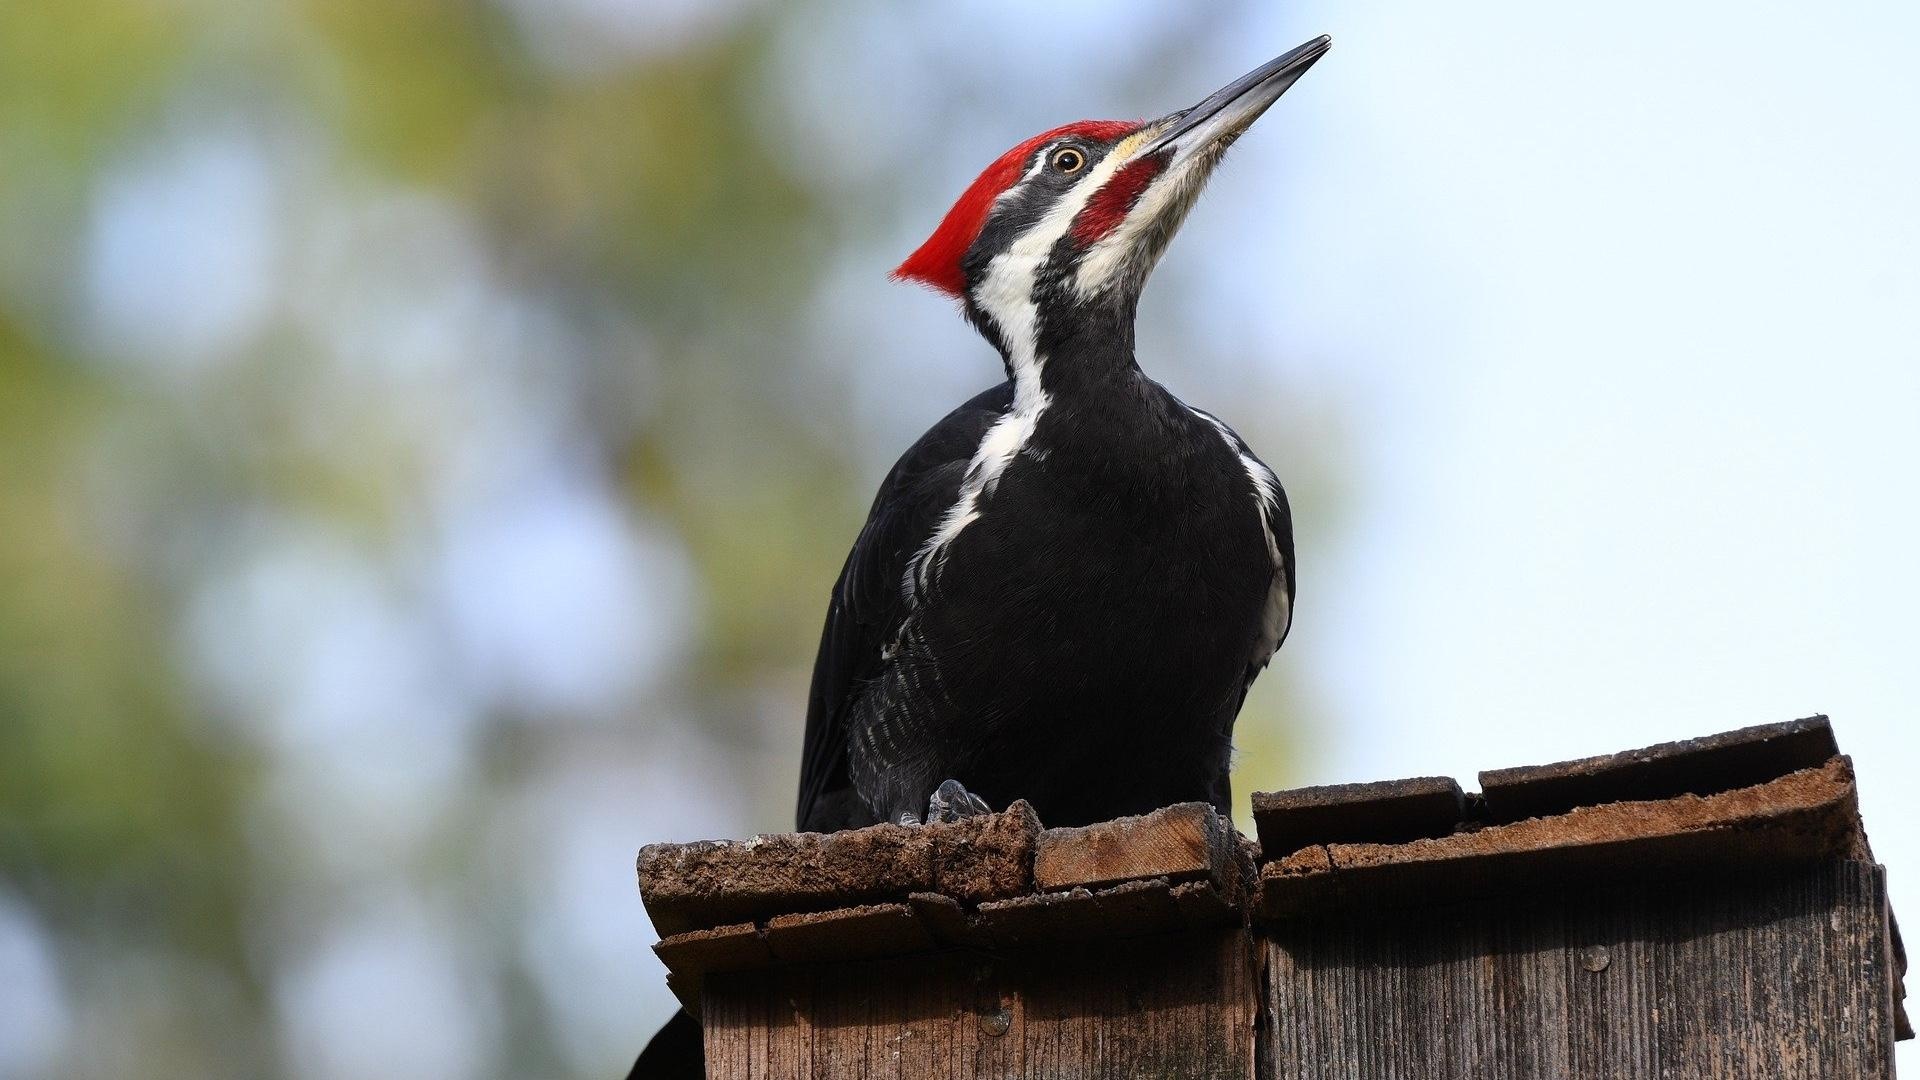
(953,802)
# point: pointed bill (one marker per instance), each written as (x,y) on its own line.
(1231,109)
(1157,174)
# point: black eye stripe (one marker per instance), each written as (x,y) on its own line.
(1023,204)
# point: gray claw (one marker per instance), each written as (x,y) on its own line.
(953,802)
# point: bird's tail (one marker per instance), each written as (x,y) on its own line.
(676,1052)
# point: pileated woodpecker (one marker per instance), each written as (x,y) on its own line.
(1064,589)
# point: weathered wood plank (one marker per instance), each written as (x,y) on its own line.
(1166,1006)
(1184,842)
(1703,766)
(1379,812)
(1805,816)
(1785,974)
(720,882)
(847,934)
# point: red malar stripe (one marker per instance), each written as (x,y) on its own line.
(1110,205)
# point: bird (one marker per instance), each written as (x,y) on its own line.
(1064,589)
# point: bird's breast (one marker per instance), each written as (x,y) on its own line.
(1086,556)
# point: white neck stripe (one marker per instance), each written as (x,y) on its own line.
(1005,295)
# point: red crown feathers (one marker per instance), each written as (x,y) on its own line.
(937,262)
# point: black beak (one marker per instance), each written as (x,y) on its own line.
(1228,110)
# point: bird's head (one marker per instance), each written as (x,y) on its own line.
(1076,217)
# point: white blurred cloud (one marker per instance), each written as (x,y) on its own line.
(181,258)
(317,653)
(558,603)
(387,992)
(38,1022)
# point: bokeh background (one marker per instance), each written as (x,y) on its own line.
(431,430)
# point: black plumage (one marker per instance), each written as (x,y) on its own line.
(1065,588)
(1089,637)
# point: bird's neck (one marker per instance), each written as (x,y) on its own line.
(1066,352)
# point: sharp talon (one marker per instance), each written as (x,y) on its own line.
(906,818)
(953,802)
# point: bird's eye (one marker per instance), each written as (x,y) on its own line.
(1068,160)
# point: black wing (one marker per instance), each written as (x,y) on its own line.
(1277,513)
(868,606)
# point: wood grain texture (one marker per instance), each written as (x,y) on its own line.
(1379,812)
(1805,817)
(1184,842)
(1786,975)
(1722,762)
(1175,1006)
(713,883)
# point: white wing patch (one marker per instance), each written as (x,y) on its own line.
(1277,617)
(1003,440)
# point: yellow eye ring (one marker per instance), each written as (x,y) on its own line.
(1068,159)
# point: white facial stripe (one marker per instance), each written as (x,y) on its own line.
(1026,178)
(1039,163)
(1005,295)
